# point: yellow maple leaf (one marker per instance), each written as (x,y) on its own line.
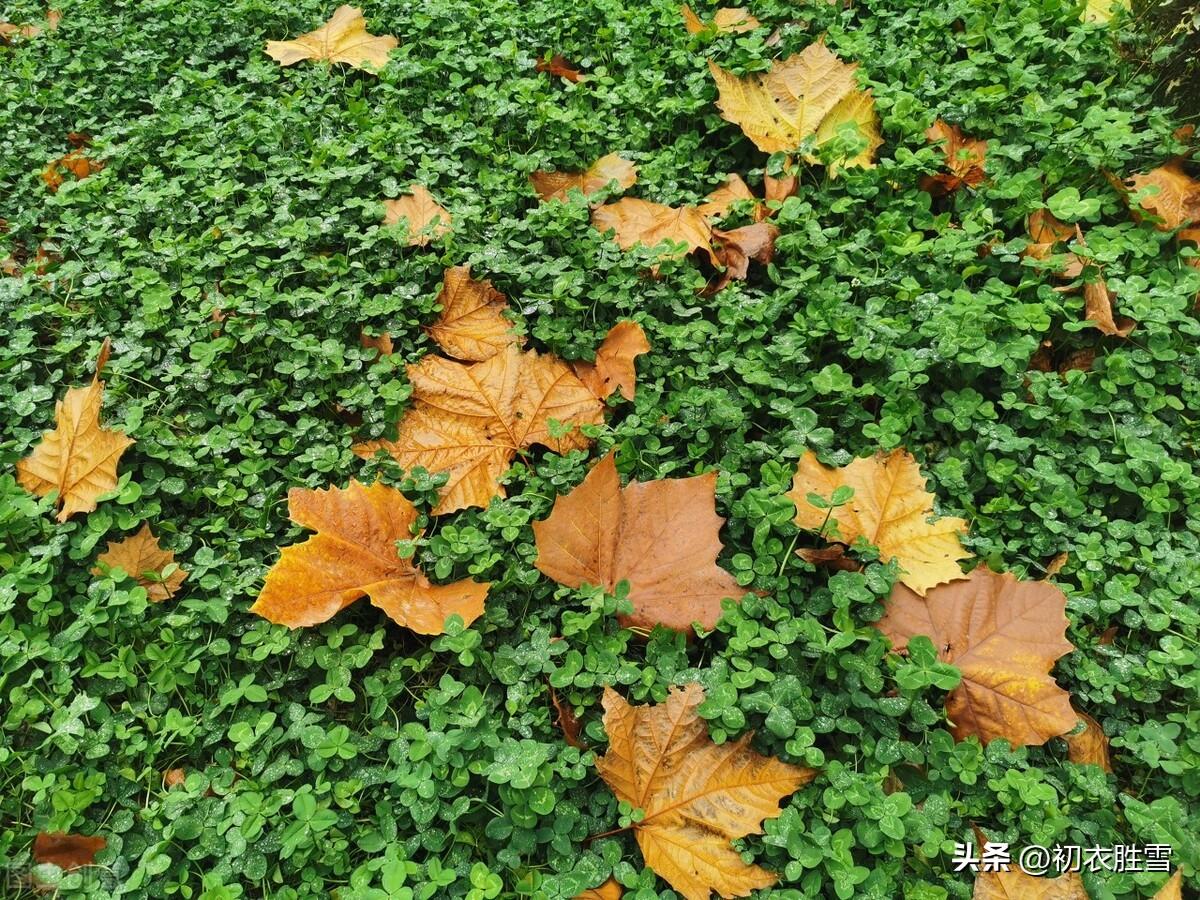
(343,39)
(599,175)
(425,218)
(610,890)
(471,325)
(725,19)
(779,108)
(636,222)
(1102,11)
(697,796)
(858,109)
(890,509)
(143,560)
(352,555)
(78,459)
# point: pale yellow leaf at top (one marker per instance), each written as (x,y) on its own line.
(1102,11)
(343,39)
(78,459)
(651,224)
(890,509)
(725,19)
(143,560)
(1016,884)
(609,169)
(856,108)
(778,109)
(353,554)
(426,219)
(697,796)
(471,325)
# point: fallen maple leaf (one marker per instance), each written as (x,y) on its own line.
(352,555)
(343,39)
(636,222)
(661,536)
(557,65)
(598,176)
(75,163)
(697,796)
(471,325)
(1090,746)
(778,109)
(736,248)
(381,343)
(1004,636)
(143,560)
(716,205)
(966,158)
(733,21)
(78,459)
(610,890)
(890,509)
(614,367)
(426,219)
(471,420)
(1171,195)
(67,851)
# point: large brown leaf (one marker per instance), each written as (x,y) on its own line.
(67,851)
(966,158)
(143,560)
(651,224)
(890,509)
(778,109)
(1004,636)
(471,325)
(697,796)
(425,218)
(614,367)
(343,39)
(471,420)
(661,536)
(352,555)
(78,459)
(598,176)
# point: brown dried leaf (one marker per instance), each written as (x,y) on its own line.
(697,796)
(381,343)
(1004,636)
(716,205)
(426,219)
(343,39)
(661,536)
(1090,746)
(1098,309)
(733,21)
(598,176)
(567,721)
(832,557)
(966,158)
(143,560)
(557,65)
(74,163)
(78,459)
(736,248)
(890,509)
(67,851)
(471,325)
(173,778)
(1173,196)
(614,368)
(352,555)
(1017,885)
(610,890)
(651,224)
(1056,565)
(1172,888)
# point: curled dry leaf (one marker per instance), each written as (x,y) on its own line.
(566,719)
(557,65)
(716,205)
(890,509)
(636,222)
(1098,309)
(614,367)
(598,176)
(381,343)
(143,560)
(352,555)
(736,248)
(1004,636)
(471,420)
(1167,193)
(471,325)
(778,109)
(425,218)
(74,163)
(697,796)
(78,459)
(1089,747)
(726,19)
(832,557)
(67,851)
(610,890)
(966,158)
(343,39)
(661,536)
(782,187)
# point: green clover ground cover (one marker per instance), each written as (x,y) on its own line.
(361,758)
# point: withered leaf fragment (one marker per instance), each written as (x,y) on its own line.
(1171,195)
(381,343)
(660,536)
(557,65)
(353,554)
(74,163)
(890,509)
(697,796)
(78,459)
(67,851)
(143,560)
(610,890)
(726,19)
(1089,746)
(471,325)
(1004,636)
(426,219)
(599,175)
(343,39)
(614,367)
(966,158)
(1015,884)
(735,249)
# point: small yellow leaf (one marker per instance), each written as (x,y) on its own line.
(471,325)
(610,890)
(143,560)
(1090,746)
(425,218)
(343,39)
(1102,11)
(604,171)
(733,21)
(614,367)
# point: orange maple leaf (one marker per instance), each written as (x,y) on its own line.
(966,158)
(725,19)
(661,536)
(471,325)
(697,796)
(614,367)
(352,555)
(143,560)
(1090,746)
(599,175)
(343,39)
(610,890)
(424,217)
